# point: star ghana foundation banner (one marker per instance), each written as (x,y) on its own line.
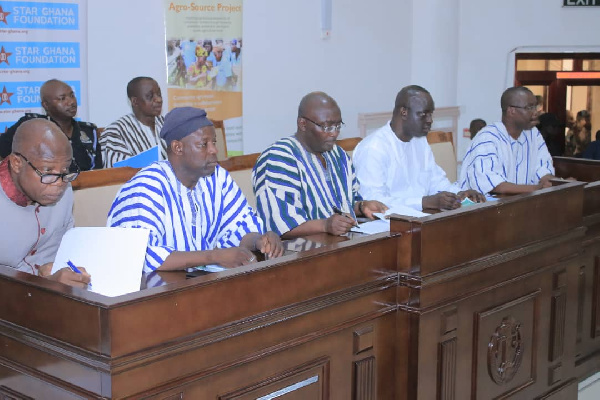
(204,62)
(40,40)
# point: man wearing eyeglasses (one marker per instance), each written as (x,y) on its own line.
(36,201)
(395,164)
(305,183)
(510,156)
(60,103)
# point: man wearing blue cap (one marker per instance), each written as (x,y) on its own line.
(195,212)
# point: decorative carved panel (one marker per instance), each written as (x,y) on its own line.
(505,340)
(364,379)
(447,370)
(505,351)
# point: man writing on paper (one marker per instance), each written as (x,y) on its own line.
(139,131)
(395,164)
(510,156)
(305,183)
(195,212)
(36,201)
(60,103)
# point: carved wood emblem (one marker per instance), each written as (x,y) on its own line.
(505,351)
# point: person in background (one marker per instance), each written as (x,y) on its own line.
(305,183)
(395,164)
(36,200)
(60,103)
(138,131)
(579,137)
(475,126)
(510,156)
(194,211)
(593,150)
(549,127)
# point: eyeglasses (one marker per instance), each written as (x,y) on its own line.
(48,179)
(528,108)
(328,128)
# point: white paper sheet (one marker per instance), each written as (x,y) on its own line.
(401,210)
(372,227)
(114,257)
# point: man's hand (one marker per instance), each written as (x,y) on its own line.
(232,257)
(441,201)
(545,181)
(270,245)
(373,206)
(68,277)
(339,224)
(473,195)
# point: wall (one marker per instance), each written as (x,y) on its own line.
(434,49)
(458,49)
(363,64)
(125,39)
(488,31)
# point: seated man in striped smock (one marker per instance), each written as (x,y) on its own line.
(195,212)
(305,183)
(138,131)
(511,156)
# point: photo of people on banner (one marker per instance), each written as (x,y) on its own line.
(205,64)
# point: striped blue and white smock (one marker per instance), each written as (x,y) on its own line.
(495,157)
(292,186)
(215,214)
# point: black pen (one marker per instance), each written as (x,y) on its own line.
(338,211)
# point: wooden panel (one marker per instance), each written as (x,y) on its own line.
(506,345)
(364,379)
(447,370)
(410,315)
(304,382)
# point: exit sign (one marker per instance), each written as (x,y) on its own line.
(581,3)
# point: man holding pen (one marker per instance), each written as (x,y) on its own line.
(305,183)
(36,201)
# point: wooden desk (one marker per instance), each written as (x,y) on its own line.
(588,311)
(426,312)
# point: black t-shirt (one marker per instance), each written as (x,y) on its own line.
(86,149)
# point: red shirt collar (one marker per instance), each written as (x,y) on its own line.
(12,192)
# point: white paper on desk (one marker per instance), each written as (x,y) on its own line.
(372,227)
(401,210)
(114,257)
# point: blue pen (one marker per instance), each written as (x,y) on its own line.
(76,270)
(73,267)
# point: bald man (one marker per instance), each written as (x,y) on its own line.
(36,201)
(509,157)
(60,104)
(305,183)
(138,131)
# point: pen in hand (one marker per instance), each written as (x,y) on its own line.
(76,270)
(339,212)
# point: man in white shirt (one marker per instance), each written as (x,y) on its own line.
(395,164)
(511,156)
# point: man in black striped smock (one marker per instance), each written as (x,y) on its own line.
(139,131)
(305,183)
(195,212)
